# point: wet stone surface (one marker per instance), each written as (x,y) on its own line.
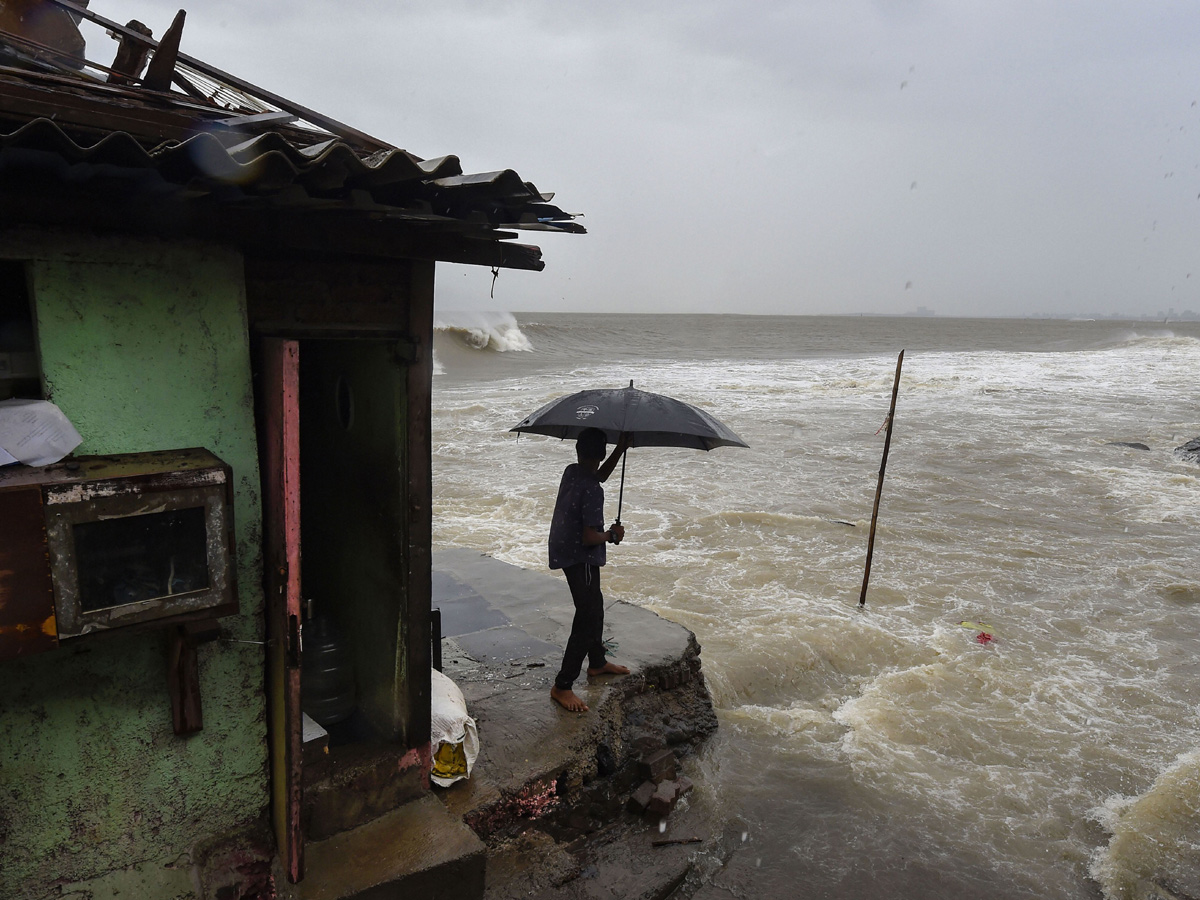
(550,791)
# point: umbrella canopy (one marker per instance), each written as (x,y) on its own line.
(652,420)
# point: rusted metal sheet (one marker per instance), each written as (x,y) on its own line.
(51,33)
(316,118)
(279,443)
(27,621)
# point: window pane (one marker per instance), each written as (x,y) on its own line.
(143,557)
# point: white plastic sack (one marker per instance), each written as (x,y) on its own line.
(454,741)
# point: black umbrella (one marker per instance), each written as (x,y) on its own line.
(651,420)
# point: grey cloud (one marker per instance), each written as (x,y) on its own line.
(761,157)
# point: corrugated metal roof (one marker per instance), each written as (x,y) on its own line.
(270,169)
(197,151)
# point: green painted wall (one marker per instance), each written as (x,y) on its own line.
(144,346)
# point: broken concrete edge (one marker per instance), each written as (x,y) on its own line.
(660,713)
(657,799)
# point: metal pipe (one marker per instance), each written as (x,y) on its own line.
(435,629)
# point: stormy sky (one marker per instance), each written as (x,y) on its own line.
(828,156)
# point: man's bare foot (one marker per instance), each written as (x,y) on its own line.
(568,700)
(609,668)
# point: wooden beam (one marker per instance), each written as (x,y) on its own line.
(23,101)
(183,681)
(418,496)
(162,66)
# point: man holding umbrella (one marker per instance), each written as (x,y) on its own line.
(577,535)
(577,539)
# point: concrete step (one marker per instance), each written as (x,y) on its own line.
(418,850)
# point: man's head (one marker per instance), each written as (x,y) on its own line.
(591,445)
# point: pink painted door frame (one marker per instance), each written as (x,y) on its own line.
(279,447)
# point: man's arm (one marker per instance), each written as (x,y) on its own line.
(593,536)
(606,468)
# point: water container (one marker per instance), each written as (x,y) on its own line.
(326,673)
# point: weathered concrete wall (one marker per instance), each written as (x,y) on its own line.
(144,347)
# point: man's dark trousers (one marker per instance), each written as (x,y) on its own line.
(587,629)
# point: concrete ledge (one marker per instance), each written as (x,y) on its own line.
(418,850)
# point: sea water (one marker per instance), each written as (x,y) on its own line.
(891,751)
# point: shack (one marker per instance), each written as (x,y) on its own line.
(231,297)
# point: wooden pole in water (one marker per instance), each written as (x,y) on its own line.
(887,443)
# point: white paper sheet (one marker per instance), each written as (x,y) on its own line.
(35,432)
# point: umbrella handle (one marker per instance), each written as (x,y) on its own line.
(621,494)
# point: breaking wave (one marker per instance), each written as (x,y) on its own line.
(495,331)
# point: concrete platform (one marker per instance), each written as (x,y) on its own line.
(546,778)
(504,629)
